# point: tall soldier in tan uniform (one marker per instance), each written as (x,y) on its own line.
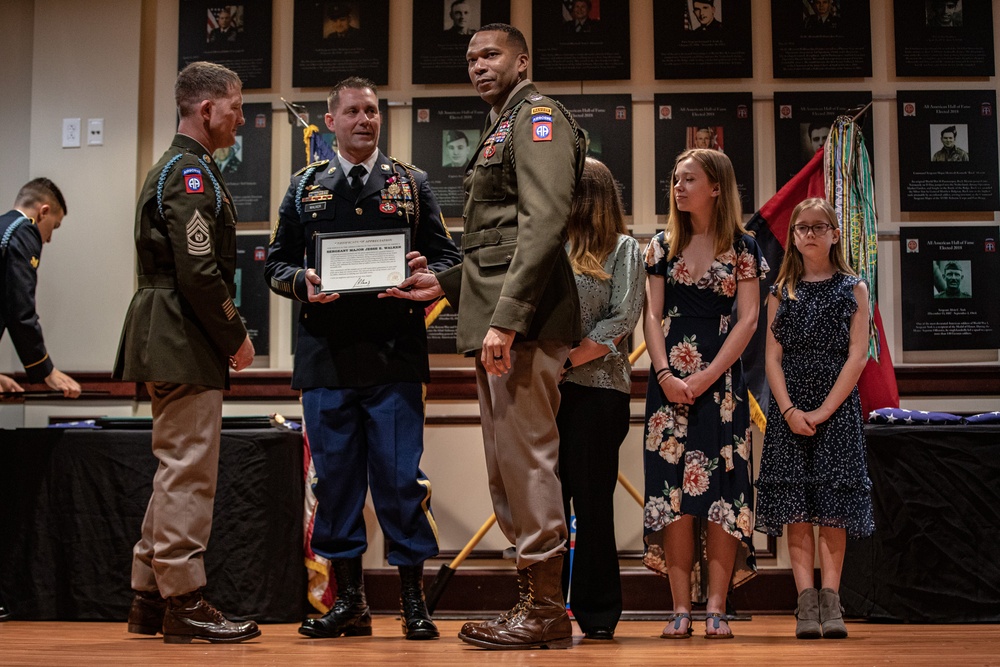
(518,312)
(181,335)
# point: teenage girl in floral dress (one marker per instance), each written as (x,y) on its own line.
(699,507)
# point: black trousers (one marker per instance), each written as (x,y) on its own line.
(592,424)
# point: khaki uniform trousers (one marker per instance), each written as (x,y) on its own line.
(187,423)
(518,412)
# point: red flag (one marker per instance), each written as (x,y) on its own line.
(770,227)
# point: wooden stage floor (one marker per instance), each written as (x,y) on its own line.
(766,640)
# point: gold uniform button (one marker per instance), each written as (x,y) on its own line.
(358,211)
(315,215)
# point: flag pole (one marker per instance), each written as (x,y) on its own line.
(293,112)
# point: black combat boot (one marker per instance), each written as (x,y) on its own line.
(350,615)
(417,623)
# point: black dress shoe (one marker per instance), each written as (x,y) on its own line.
(189,617)
(4,612)
(603,634)
(145,616)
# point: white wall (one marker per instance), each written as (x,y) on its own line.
(83,59)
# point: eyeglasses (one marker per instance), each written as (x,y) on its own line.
(819,229)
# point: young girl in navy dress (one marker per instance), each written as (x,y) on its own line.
(813,469)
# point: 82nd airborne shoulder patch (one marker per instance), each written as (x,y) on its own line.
(194,182)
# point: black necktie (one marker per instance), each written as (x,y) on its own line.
(356,174)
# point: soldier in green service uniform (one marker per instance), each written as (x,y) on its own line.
(518,313)
(182,333)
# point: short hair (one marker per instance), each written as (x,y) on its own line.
(703,128)
(514,36)
(455,135)
(703,2)
(950,128)
(817,126)
(336,10)
(203,81)
(952,266)
(40,191)
(350,83)
(587,2)
(457,2)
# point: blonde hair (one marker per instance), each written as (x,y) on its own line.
(792,266)
(596,219)
(728,214)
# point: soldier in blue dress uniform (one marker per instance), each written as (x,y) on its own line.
(361,361)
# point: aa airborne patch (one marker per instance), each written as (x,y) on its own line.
(194,183)
(198,237)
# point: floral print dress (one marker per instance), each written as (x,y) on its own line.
(697,458)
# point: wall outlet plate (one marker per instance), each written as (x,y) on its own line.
(71,133)
(95,132)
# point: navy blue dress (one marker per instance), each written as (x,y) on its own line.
(820,479)
(697,458)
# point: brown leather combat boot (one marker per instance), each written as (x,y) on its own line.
(189,617)
(350,615)
(145,616)
(538,621)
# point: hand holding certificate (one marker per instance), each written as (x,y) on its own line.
(362,261)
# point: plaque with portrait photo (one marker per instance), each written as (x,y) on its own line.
(944,38)
(607,124)
(253,298)
(818,39)
(702,39)
(321,146)
(333,40)
(246,165)
(802,124)
(441,33)
(580,40)
(947,147)
(950,298)
(237,36)
(721,121)
(446,134)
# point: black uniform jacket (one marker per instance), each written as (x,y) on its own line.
(358,340)
(20,253)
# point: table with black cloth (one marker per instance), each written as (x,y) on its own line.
(72,503)
(935,554)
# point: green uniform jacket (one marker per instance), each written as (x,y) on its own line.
(182,325)
(518,191)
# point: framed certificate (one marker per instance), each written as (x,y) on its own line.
(369,261)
